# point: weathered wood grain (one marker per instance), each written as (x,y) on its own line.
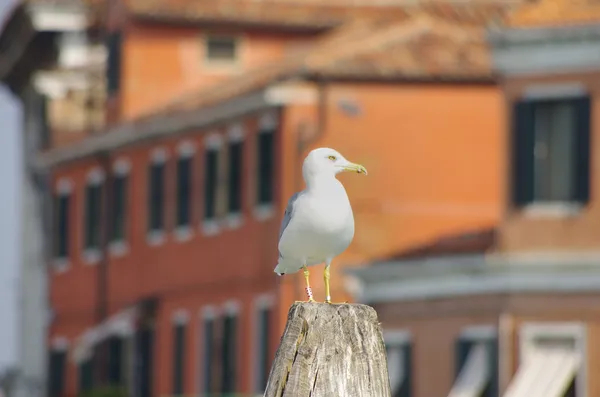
(330,350)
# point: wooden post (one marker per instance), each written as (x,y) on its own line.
(330,350)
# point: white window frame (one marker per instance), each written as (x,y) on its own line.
(479,333)
(262,302)
(185,150)
(528,332)
(158,155)
(117,248)
(181,317)
(397,338)
(60,344)
(267,123)
(95,177)
(235,134)
(212,142)
(63,187)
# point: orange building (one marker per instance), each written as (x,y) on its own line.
(175,140)
(512,309)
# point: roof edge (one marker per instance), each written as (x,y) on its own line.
(286,27)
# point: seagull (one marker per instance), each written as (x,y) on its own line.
(318,223)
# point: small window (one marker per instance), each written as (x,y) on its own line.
(62,208)
(208,356)
(178,359)
(221,49)
(93,211)
(476,368)
(229,351)
(557,346)
(56,371)
(235,176)
(113,70)
(119,207)
(210,183)
(264,351)
(266,160)
(551,148)
(184,190)
(156,196)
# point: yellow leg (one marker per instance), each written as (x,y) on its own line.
(326,279)
(308,289)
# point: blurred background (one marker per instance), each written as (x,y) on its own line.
(149,149)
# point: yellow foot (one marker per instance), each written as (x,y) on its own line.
(311,300)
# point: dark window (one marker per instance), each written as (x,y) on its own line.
(178,358)
(400,369)
(221,48)
(465,346)
(56,372)
(61,221)
(184,190)
(93,211)
(86,375)
(119,207)
(115,361)
(144,361)
(266,157)
(156,196)
(264,352)
(228,361)
(113,70)
(235,177)
(210,183)
(551,151)
(209,339)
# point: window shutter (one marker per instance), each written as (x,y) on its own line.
(178,359)
(582,149)
(229,351)
(492,389)
(209,343)
(113,70)
(523,142)
(115,369)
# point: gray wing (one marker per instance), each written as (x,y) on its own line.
(288,214)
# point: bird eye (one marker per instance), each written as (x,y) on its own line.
(332,158)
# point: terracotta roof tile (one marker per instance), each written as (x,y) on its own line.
(549,13)
(318,14)
(425,47)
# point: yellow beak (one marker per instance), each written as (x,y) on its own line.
(352,167)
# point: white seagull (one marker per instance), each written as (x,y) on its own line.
(318,223)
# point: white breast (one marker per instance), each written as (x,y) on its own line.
(322,226)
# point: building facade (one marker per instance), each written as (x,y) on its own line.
(171,136)
(512,310)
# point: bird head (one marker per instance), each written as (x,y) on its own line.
(326,161)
